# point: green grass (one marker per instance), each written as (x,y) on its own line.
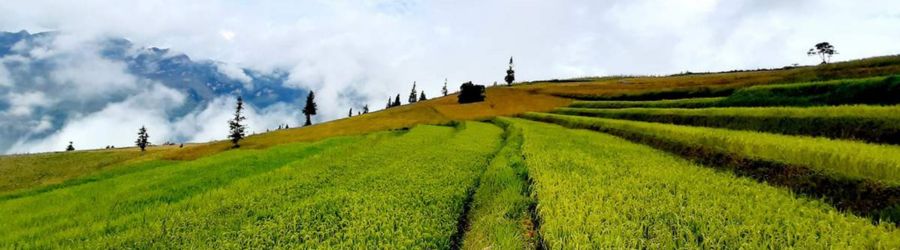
(700,102)
(500,217)
(98,175)
(879,124)
(386,190)
(872,90)
(838,158)
(597,191)
(713,84)
(27,171)
(98,209)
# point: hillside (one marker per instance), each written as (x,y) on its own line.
(801,157)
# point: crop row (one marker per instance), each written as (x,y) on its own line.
(597,191)
(872,90)
(879,124)
(851,175)
(91,211)
(381,191)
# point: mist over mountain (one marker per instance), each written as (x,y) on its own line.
(97,92)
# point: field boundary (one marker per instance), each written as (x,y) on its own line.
(536,241)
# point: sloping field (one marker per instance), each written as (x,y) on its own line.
(599,191)
(710,85)
(28,171)
(398,189)
(872,90)
(628,171)
(879,124)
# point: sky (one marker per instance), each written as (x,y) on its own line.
(361,52)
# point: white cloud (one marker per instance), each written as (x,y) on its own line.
(234,72)
(21,104)
(227,35)
(377,48)
(5,80)
(43,125)
(117,123)
(90,75)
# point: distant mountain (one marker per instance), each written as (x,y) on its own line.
(202,80)
(26,62)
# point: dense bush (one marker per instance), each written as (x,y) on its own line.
(469,93)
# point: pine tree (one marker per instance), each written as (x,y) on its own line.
(351,113)
(422,97)
(366,109)
(70,147)
(310,108)
(236,128)
(141,141)
(412,95)
(444,90)
(510,73)
(396,101)
(389,104)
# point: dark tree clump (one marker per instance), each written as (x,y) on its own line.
(366,109)
(70,147)
(824,50)
(389,104)
(422,96)
(469,93)
(310,108)
(444,90)
(235,127)
(412,95)
(350,114)
(396,101)
(141,141)
(510,73)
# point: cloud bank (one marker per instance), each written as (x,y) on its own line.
(360,52)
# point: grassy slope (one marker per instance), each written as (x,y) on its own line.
(719,84)
(81,171)
(598,191)
(379,190)
(870,90)
(34,171)
(878,124)
(28,171)
(839,158)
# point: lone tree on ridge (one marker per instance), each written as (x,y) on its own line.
(235,127)
(824,50)
(510,73)
(310,108)
(412,95)
(141,141)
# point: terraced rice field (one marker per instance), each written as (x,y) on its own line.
(595,190)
